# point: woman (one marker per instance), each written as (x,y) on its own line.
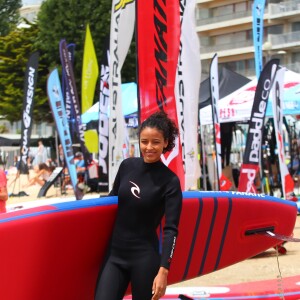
(43,172)
(146,190)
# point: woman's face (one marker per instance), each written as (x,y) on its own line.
(152,143)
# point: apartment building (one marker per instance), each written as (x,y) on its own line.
(225,27)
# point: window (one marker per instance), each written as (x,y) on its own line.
(296,26)
(222,10)
(240,7)
(276,29)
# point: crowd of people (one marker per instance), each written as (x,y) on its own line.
(39,167)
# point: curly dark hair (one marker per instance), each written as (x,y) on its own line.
(163,123)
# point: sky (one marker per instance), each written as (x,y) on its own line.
(31,2)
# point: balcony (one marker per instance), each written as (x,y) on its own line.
(278,42)
(295,67)
(224,18)
(204,1)
(232,48)
(285,40)
(284,9)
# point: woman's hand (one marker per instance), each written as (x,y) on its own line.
(160,283)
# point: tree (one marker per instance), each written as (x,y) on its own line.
(15,49)
(57,19)
(67,19)
(9,15)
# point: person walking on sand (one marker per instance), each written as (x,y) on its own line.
(3,191)
(147,190)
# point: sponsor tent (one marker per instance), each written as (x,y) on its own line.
(129,104)
(237,106)
(229,81)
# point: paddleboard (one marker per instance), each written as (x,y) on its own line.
(287,288)
(55,251)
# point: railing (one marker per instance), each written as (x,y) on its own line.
(284,7)
(228,17)
(228,46)
(295,67)
(285,38)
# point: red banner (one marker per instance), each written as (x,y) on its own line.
(158,39)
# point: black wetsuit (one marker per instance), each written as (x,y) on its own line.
(146,191)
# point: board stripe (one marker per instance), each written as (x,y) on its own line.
(254,197)
(194,238)
(224,234)
(209,236)
(60,207)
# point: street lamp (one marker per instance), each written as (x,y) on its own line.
(267,48)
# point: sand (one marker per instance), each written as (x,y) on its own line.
(267,265)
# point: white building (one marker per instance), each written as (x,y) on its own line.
(225,27)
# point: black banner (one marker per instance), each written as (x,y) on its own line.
(67,97)
(71,86)
(103,128)
(252,154)
(30,80)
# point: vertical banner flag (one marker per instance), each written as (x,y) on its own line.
(252,154)
(57,105)
(66,92)
(158,40)
(277,106)
(71,86)
(121,32)
(224,184)
(90,72)
(258,33)
(103,127)
(30,80)
(188,79)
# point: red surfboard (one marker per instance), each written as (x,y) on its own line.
(55,251)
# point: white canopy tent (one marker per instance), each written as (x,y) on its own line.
(237,106)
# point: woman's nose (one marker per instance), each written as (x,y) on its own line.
(149,146)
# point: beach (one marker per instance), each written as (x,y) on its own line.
(267,265)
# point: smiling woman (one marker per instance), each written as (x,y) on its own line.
(152,144)
(147,190)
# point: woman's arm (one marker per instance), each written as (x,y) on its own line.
(3,193)
(160,283)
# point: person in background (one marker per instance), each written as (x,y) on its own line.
(61,156)
(132,151)
(147,190)
(79,163)
(43,173)
(3,191)
(80,169)
(41,155)
(22,168)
